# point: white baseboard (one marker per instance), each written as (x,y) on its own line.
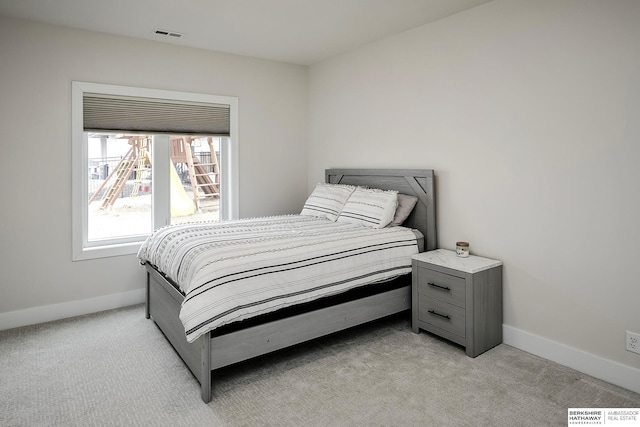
(607,370)
(47,313)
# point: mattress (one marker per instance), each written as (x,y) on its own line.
(235,270)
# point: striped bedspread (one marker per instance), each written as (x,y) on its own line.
(234,270)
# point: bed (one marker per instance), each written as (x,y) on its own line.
(205,349)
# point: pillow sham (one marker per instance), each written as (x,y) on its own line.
(370,207)
(327,200)
(406,203)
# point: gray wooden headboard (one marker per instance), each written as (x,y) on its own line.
(415,182)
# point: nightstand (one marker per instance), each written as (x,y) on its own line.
(459,299)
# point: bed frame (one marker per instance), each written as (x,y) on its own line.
(210,351)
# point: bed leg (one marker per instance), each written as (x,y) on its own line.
(205,363)
(147,313)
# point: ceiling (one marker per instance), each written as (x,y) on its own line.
(295,31)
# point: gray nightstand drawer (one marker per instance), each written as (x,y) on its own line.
(445,316)
(442,286)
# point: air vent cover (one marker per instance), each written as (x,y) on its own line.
(168,33)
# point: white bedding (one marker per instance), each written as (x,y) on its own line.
(234,270)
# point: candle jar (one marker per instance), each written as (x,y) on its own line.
(462,249)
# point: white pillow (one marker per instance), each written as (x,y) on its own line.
(327,200)
(370,207)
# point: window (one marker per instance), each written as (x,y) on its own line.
(145,158)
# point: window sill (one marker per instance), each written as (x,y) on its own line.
(106,251)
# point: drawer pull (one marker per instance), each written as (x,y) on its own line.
(445,288)
(439,314)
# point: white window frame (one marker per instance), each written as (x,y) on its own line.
(229,188)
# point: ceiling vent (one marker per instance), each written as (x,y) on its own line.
(168,33)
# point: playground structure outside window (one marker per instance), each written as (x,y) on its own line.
(126,184)
(120,182)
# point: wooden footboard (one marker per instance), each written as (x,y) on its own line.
(207,353)
(163,302)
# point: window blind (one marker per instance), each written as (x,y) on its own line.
(108,113)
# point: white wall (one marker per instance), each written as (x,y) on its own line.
(37,65)
(529,112)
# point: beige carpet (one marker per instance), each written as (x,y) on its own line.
(116,369)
